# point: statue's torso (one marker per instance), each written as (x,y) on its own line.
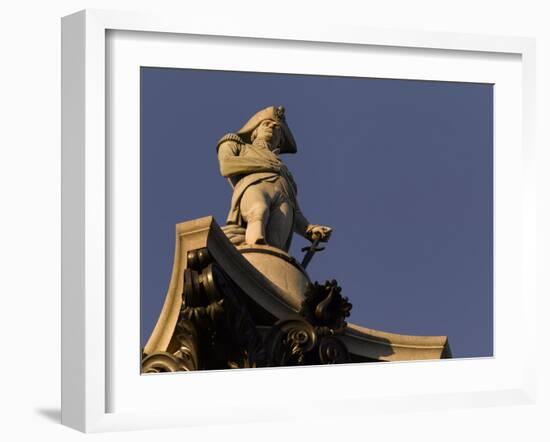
(243,181)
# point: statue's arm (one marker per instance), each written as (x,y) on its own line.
(300,222)
(309,231)
(232,163)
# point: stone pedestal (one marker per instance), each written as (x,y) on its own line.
(231,306)
(281,269)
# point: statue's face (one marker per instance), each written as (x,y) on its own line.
(269,131)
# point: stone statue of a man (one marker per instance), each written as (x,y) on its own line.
(264,193)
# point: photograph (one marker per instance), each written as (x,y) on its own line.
(297,220)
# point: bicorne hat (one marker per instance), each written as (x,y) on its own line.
(288,145)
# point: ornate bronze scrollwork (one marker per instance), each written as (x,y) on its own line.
(325,307)
(290,342)
(314,337)
(215,330)
(333,351)
(161,362)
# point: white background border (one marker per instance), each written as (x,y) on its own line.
(30,184)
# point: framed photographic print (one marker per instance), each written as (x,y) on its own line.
(278,215)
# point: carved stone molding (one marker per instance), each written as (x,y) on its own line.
(215,330)
(221,312)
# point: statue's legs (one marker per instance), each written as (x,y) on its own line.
(268,214)
(279,226)
(255,211)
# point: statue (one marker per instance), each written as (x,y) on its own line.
(249,303)
(264,201)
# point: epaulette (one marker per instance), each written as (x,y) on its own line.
(230,137)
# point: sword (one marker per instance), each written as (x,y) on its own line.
(312,249)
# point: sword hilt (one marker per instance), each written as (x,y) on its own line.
(311,250)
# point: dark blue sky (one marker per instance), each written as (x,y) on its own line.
(402,170)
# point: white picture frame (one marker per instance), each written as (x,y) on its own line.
(87,316)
